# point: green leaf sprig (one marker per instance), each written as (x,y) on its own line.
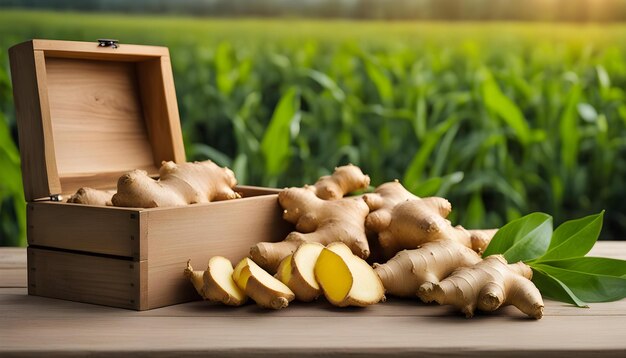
(561,271)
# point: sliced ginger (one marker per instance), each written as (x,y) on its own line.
(409,269)
(317,220)
(216,284)
(488,285)
(263,288)
(405,221)
(178,185)
(297,271)
(346,279)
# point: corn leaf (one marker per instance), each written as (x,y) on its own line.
(275,145)
(501,105)
(523,239)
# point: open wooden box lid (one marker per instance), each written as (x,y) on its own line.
(88,113)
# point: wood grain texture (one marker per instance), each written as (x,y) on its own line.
(198,232)
(30,95)
(38,326)
(91,50)
(156,84)
(84,278)
(97,119)
(102,230)
(88,114)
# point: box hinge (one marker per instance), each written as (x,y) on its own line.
(108,43)
(56,197)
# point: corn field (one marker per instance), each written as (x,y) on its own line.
(501,119)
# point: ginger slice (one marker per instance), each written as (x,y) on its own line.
(489,284)
(317,220)
(219,285)
(409,269)
(263,288)
(321,214)
(346,279)
(216,283)
(297,271)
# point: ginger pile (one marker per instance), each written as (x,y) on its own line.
(178,185)
(427,256)
(320,220)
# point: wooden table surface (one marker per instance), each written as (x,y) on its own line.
(32,326)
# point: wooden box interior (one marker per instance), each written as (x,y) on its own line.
(87,114)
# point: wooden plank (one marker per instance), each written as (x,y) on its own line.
(248,190)
(97,120)
(91,50)
(313,336)
(13,277)
(30,94)
(48,308)
(613,249)
(103,230)
(198,232)
(158,98)
(84,278)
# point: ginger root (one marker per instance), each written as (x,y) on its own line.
(216,284)
(263,288)
(487,285)
(89,196)
(346,279)
(319,220)
(405,221)
(403,274)
(178,185)
(344,180)
(297,272)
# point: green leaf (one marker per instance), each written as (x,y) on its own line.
(523,239)
(498,103)
(574,238)
(381,80)
(327,83)
(416,169)
(275,145)
(589,287)
(593,265)
(552,288)
(568,128)
(207,152)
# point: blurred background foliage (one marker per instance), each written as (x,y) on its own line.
(500,118)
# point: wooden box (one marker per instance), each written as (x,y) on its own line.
(86,114)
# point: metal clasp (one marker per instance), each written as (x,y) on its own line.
(108,43)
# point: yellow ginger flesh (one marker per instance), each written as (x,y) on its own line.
(346,279)
(316,220)
(263,288)
(297,271)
